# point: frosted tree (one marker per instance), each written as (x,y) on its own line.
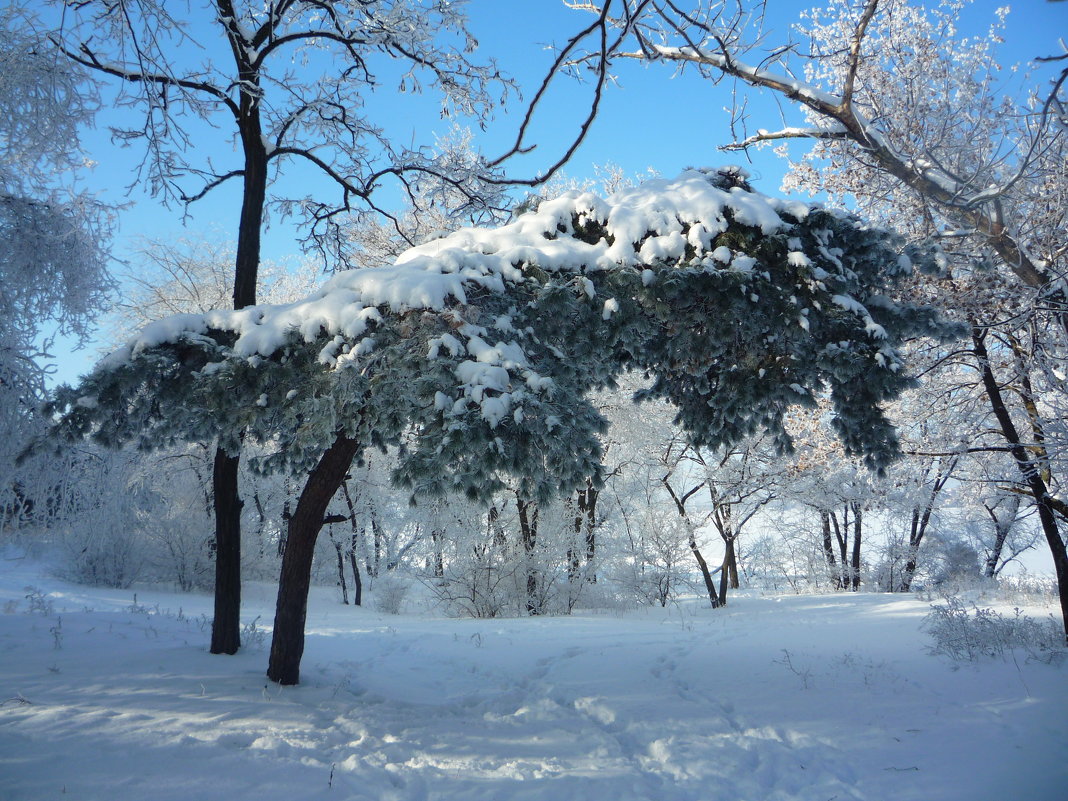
(907,117)
(475,354)
(243,86)
(53,238)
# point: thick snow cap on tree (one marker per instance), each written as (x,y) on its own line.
(660,221)
(487,341)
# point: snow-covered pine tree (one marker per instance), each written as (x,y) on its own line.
(475,353)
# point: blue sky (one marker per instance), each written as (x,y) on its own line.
(653,119)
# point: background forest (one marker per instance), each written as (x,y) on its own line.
(888,109)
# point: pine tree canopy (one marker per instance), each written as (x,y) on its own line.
(474,354)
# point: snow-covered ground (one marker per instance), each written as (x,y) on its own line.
(828,697)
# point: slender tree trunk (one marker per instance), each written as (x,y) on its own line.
(226,625)
(287,645)
(588,506)
(377,539)
(728,576)
(680,506)
(858,522)
(828,550)
(841,536)
(287,515)
(261,523)
(710,584)
(528,527)
(574,566)
(341,572)
(357,580)
(354,542)
(1031,473)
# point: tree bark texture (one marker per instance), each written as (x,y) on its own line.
(226,625)
(246,275)
(287,645)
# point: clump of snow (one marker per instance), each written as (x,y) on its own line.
(656,221)
(658,224)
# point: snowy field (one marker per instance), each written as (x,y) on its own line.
(815,698)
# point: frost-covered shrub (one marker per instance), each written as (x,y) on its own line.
(659,561)
(968,633)
(100,542)
(1027,588)
(389,593)
(39,602)
(484,584)
(102,552)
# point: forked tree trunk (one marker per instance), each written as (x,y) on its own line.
(1002,527)
(226,624)
(287,645)
(680,506)
(728,576)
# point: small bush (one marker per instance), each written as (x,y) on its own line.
(40,603)
(389,592)
(970,633)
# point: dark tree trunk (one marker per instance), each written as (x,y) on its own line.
(710,584)
(287,515)
(357,580)
(680,506)
(854,566)
(915,537)
(354,543)
(226,625)
(1031,472)
(378,540)
(841,536)
(828,550)
(287,645)
(341,571)
(528,528)
(587,503)
(574,564)
(921,518)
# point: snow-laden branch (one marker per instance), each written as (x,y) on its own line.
(790,132)
(980,210)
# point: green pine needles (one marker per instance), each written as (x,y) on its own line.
(474,355)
